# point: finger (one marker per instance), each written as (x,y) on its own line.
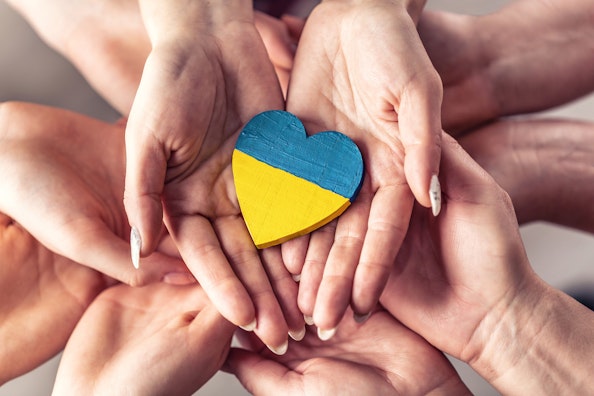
(271,326)
(260,376)
(146,166)
(419,120)
(313,269)
(275,36)
(294,252)
(295,26)
(209,324)
(93,244)
(334,294)
(199,246)
(285,289)
(388,223)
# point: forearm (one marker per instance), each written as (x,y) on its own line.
(546,166)
(538,53)
(540,344)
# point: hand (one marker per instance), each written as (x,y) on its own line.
(545,166)
(492,66)
(452,271)
(379,87)
(42,297)
(204,79)
(155,340)
(469,290)
(379,357)
(62,180)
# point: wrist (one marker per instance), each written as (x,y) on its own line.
(414,8)
(540,343)
(170,21)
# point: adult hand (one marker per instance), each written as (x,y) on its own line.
(545,165)
(379,357)
(378,86)
(42,297)
(463,282)
(207,75)
(155,340)
(63,178)
(493,66)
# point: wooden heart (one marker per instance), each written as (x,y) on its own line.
(289,184)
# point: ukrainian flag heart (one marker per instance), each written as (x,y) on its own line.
(289,184)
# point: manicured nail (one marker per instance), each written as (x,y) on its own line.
(296,278)
(308,319)
(250,326)
(361,318)
(325,335)
(281,350)
(297,335)
(135,246)
(179,278)
(435,195)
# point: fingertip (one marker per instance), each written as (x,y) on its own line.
(435,195)
(135,246)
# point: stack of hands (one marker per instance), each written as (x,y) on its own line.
(428,260)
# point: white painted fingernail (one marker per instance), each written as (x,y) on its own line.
(179,278)
(435,195)
(361,318)
(281,350)
(325,335)
(135,246)
(250,326)
(308,319)
(296,278)
(297,335)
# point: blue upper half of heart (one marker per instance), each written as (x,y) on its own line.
(329,159)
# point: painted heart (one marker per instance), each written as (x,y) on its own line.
(289,184)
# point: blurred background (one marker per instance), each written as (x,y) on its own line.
(30,71)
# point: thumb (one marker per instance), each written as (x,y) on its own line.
(146,166)
(260,376)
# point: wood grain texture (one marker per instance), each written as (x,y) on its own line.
(289,184)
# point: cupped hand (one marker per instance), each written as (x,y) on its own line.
(42,297)
(361,69)
(204,79)
(453,272)
(63,180)
(379,357)
(155,340)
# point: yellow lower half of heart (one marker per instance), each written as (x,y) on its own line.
(277,205)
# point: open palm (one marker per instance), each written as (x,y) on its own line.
(386,96)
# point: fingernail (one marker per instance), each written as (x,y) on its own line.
(325,335)
(297,335)
(135,246)
(250,326)
(296,278)
(361,318)
(179,278)
(308,319)
(281,350)
(435,195)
